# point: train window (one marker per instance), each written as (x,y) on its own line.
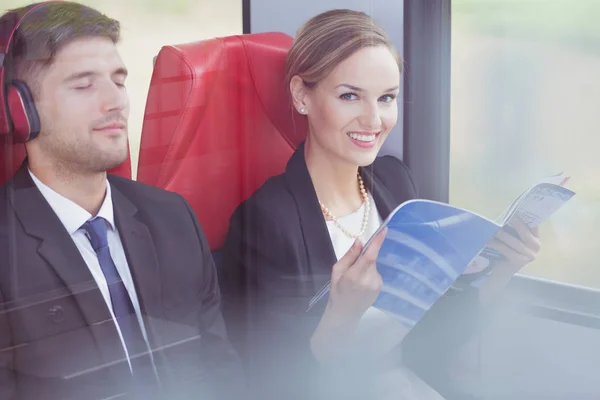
(525,98)
(146,26)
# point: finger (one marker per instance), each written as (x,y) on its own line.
(372,280)
(535,245)
(349,258)
(515,244)
(511,255)
(519,226)
(527,236)
(369,258)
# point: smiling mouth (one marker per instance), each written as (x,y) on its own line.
(362,137)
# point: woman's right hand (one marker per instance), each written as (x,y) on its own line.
(356,283)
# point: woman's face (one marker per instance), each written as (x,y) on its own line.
(352,110)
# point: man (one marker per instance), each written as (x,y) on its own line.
(107,286)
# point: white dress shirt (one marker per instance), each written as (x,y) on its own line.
(73,217)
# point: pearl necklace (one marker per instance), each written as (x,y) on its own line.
(367,204)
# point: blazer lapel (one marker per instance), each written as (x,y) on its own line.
(57,247)
(384,200)
(140,252)
(314,227)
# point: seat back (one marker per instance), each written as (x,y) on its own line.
(218,123)
(13,155)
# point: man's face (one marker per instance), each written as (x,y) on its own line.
(83,107)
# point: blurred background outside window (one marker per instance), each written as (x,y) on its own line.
(526,105)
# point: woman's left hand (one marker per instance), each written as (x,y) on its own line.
(519,245)
(518,251)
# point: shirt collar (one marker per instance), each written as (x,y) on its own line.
(71,214)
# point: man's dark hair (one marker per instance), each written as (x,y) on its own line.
(47,30)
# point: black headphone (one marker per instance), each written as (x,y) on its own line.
(18,116)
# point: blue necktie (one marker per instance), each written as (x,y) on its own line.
(120,300)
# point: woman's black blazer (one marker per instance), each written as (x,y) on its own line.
(278,254)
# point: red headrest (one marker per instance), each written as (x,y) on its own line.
(219,123)
(13,155)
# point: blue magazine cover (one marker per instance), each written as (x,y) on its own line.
(432,246)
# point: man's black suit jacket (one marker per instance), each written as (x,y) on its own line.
(57,339)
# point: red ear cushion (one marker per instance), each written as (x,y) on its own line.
(18,115)
(22,112)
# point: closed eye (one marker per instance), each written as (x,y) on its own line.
(83,87)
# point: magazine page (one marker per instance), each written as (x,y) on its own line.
(543,200)
(558,180)
(427,247)
(532,207)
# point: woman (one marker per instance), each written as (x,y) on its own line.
(306,226)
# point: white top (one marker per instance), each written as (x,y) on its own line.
(379,333)
(353,223)
(73,217)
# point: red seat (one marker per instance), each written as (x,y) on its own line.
(14,154)
(218,123)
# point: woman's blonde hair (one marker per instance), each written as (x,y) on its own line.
(329,38)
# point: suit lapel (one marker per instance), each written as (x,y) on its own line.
(321,254)
(384,199)
(140,252)
(57,247)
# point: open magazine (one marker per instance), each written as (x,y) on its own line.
(432,246)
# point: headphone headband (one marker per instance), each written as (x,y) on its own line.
(6,124)
(20,21)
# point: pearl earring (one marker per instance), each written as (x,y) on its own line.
(302,110)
